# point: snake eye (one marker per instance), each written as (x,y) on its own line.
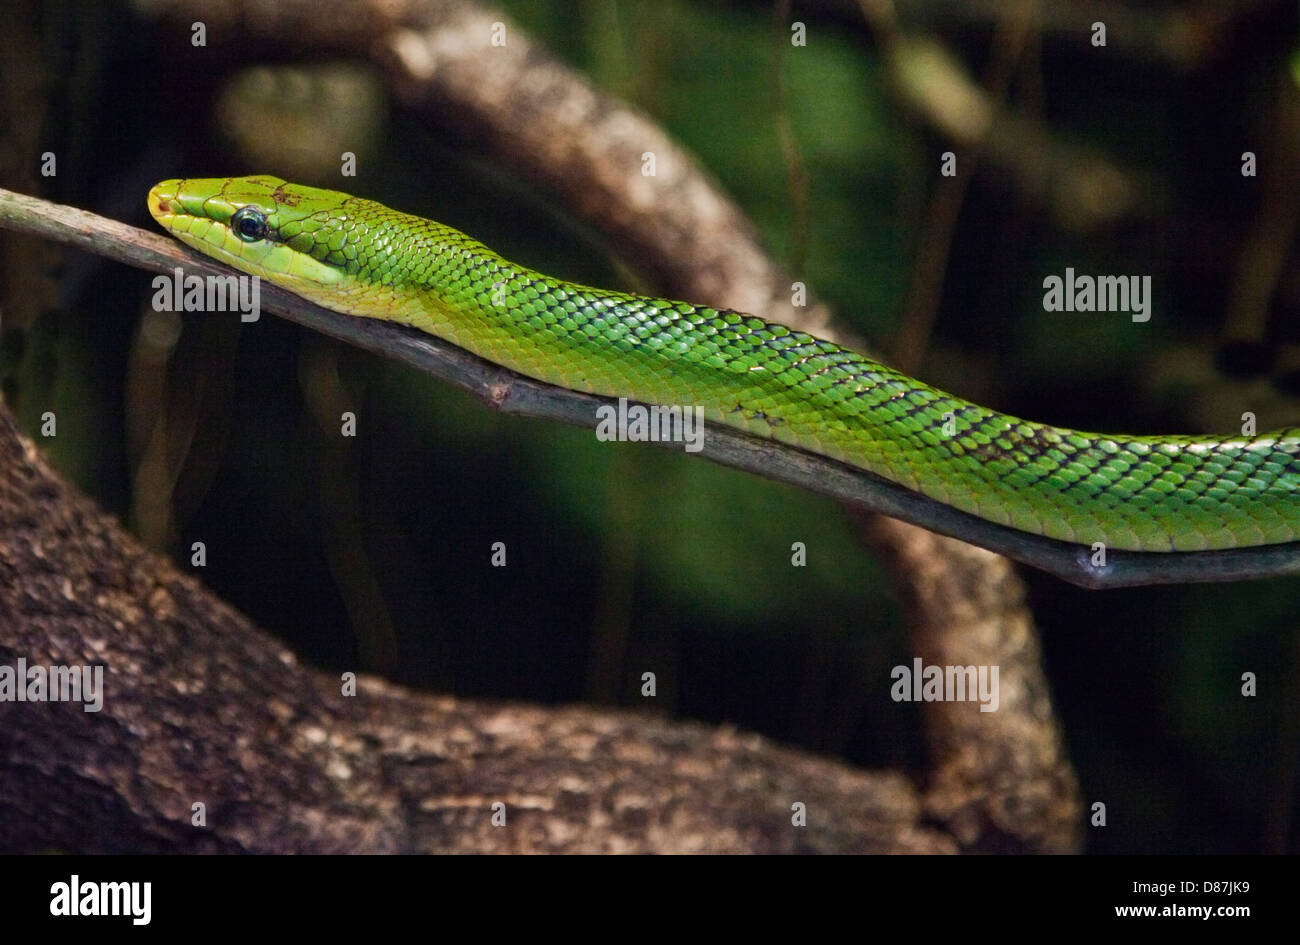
(249,224)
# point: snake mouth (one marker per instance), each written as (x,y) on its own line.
(162,200)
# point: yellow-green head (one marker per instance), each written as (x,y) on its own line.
(330,247)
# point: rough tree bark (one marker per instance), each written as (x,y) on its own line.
(200,706)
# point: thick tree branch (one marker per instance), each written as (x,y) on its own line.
(201,707)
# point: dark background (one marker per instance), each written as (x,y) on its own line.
(373,553)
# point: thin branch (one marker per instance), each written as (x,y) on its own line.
(1082,187)
(514,394)
(930,267)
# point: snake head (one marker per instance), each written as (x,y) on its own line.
(262,225)
(351,255)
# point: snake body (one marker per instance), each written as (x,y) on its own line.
(1142,493)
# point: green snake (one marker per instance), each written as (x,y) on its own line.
(1139,493)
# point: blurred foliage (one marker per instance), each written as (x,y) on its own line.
(624,559)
